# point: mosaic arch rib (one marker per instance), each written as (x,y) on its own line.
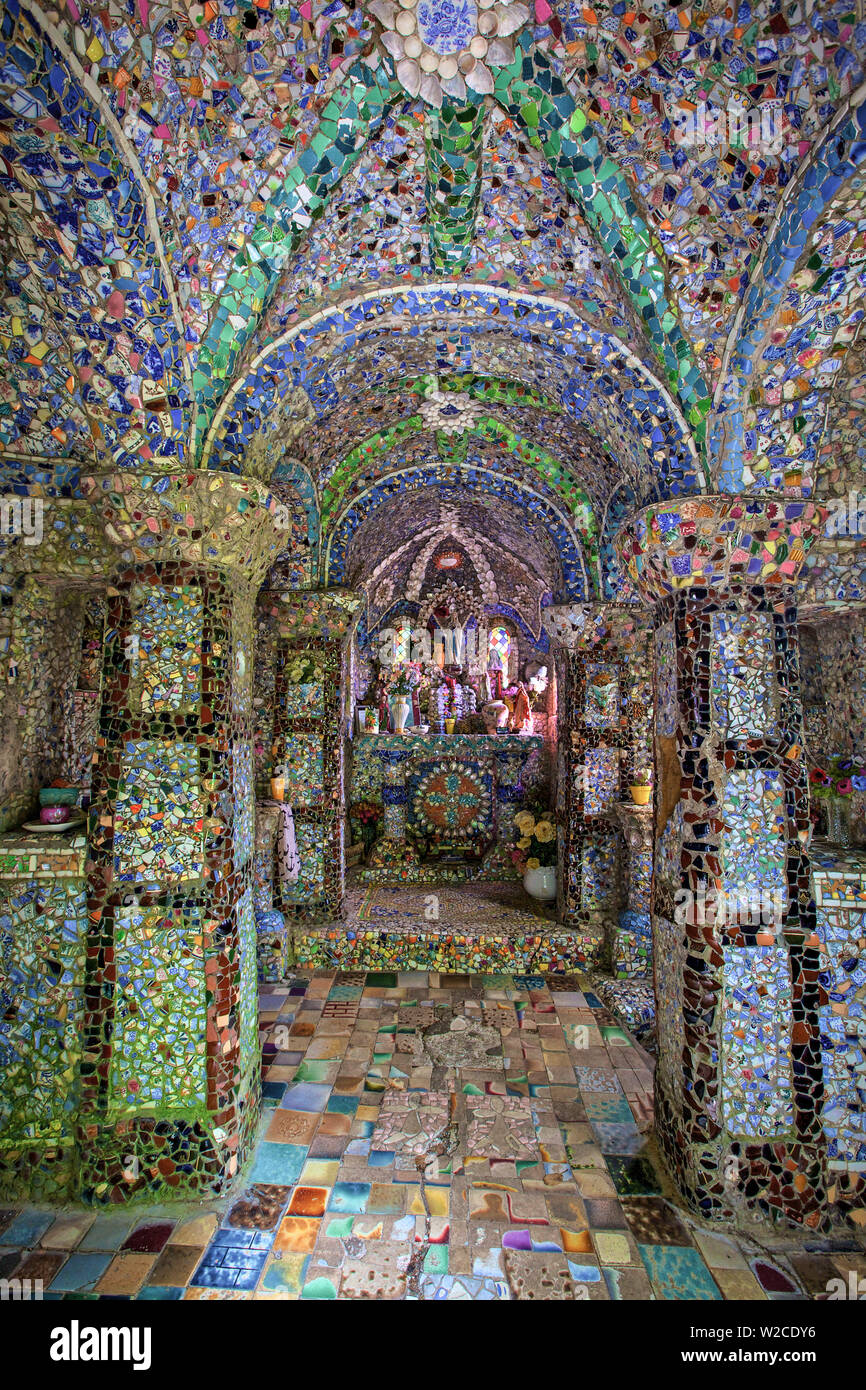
(481,480)
(253,401)
(380,445)
(746,447)
(94,361)
(546,109)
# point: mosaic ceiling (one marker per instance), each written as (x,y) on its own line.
(393,248)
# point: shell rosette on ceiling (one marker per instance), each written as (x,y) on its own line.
(448,48)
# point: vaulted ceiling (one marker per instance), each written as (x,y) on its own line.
(365,252)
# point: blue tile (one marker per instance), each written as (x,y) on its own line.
(27,1227)
(81,1272)
(278,1163)
(310,1096)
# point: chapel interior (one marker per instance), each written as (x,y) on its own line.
(432,671)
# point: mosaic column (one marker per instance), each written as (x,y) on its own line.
(171,1061)
(739,1079)
(605,700)
(631,956)
(509,763)
(394,853)
(311,649)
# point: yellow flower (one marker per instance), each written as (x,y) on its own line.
(533,863)
(525,822)
(525,842)
(545,832)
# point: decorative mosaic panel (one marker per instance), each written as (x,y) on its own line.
(158,818)
(244,802)
(451,800)
(742,673)
(753,850)
(248,1001)
(756,1068)
(598,872)
(842,1015)
(160,1016)
(43,939)
(666,680)
(305,700)
(601,700)
(600,780)
(669,956)
(310,886)
(304,769)
(166,646)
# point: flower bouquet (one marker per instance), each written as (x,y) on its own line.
(368,814)
(303,670)
(535,847)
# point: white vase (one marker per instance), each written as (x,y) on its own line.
(541,883)
(401,713)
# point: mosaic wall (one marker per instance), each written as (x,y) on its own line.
(839,878)
(43,945)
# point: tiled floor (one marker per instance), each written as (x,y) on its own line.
(432,1137)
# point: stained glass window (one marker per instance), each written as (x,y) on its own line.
(499,647)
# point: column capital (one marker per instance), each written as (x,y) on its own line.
(717,540)
(217,520)
(591,627)
(321,613)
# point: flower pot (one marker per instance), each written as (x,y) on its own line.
(278,788)
(541,883)
(401,713)
(449,725)
(641,795)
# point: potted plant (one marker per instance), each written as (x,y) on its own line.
(368,814)
(535,853)
(641,787)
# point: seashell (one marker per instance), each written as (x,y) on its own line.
(431,91)
(454,87)
(405,23)
(429,61)
(478,46)
(448,67)
(466,63)
(511,18)
(409,75)
(394,44)
(480,79)
(488,25)
(384,11)
(500,53)
(412,46)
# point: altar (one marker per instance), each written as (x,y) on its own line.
(449,802)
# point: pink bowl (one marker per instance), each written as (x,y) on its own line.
(55,815)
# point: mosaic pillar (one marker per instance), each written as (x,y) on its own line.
(604,702)
(394,853)
(509,764)
(273,941)
(169,1075)
(311,654)
(631,956)
(739,1077)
